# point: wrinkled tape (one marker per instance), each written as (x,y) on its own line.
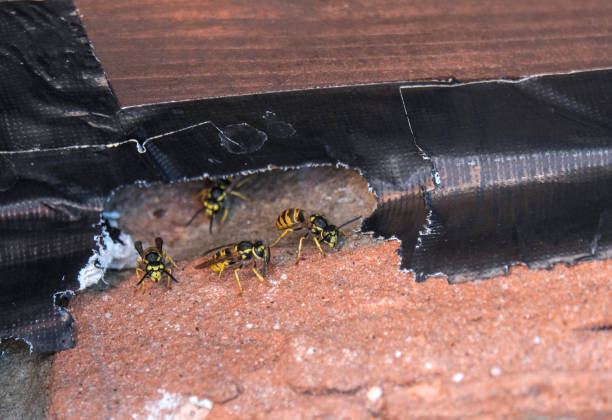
(470,177)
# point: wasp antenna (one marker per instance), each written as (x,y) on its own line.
(350,221)
(143,277)
(211,225)
(243,181)
(170,275)
(195,215)
(159,243)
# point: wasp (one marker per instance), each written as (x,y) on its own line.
(292,220)
(153,263)
(215,200)
(238,254)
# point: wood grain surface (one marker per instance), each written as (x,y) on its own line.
(161,50)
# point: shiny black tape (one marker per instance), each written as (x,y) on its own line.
(523,173)
(470,177)
(53,95)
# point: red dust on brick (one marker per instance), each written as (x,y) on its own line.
(347,336)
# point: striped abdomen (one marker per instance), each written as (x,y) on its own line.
(289,218)
(220,266)
(224,253)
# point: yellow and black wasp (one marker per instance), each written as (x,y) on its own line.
(153,263)
(292,220)
(238,254)
(215,200)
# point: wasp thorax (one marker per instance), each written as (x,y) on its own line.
(216,192)
(330,235)
(245,246)
(225,183)
(318,221)
(259,249)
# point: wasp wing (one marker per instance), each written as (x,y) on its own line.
(159,243)
(229,258)
(230,253)
(232,247)
(138,246)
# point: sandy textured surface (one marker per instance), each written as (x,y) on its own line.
(148,211)
(347,336)
(24,378)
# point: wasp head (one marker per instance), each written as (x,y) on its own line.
(261,251)
(153,257)
(329,235)
(217,194)
(224,183)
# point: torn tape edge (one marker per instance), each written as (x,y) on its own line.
(509,80)
(12,337)
(57,308)
(140,147)
(311,88)
(207,176)
(414,83)
(89,274)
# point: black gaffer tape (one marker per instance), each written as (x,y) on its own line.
(470,177)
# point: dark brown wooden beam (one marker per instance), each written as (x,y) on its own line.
(161,50)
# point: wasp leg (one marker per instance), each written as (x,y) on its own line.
(239,195)
(142,280)
(221,272)
(344,233)
(225,213)
(243,181)
(259,276)
(319,246)
(238,278)
(212,219)
(169,259)
(140,273)
(300,247)
(203,193)
(281,236)
(170,276)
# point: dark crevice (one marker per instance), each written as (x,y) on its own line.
(597,327)
(321,392)
(147,211)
